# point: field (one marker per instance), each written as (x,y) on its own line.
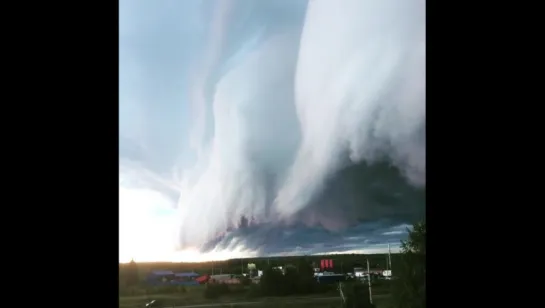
(331,301)
(194,295)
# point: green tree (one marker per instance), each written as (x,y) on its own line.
(291,279)
(409,287)
(357,295)
(272,282)
(132,274)
(306,282)
(215,290)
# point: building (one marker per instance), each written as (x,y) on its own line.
(185,279)
(203,279)
(359,271)
(224,278)
(160,277)
(330,278)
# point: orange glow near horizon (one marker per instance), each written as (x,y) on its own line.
(190,256)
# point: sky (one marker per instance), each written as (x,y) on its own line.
(271,127)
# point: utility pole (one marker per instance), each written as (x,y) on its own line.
(389,259)
(369,279)
(242,267)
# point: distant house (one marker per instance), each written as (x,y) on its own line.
(160,277)
(188,275)
(221,277)
(189,278)
(162,273)
(362,272)
(224,278)
(359,271)
(330,279)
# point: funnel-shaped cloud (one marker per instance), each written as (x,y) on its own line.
(276,126)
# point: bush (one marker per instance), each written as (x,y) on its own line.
(215,291)
(409,287)
(245,281)
(324,288)
(357,295)
(296,280)
(132,291)
(237,289)
(272,282)
(254,291)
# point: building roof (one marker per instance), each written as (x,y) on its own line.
(162,273)
(189,274)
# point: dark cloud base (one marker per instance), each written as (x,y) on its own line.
(361,206)
(357,206)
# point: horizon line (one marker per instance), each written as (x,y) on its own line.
(265,257)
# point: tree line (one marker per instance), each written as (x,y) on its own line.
(342,263)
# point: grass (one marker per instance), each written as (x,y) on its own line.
(285,302)
(194,295)
(193,298)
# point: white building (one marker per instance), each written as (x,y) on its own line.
(359,272)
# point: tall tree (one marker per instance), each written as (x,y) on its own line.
(306,281)
(272,282)
(132,274)
(409,287)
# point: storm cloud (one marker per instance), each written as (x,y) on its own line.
(275,126)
